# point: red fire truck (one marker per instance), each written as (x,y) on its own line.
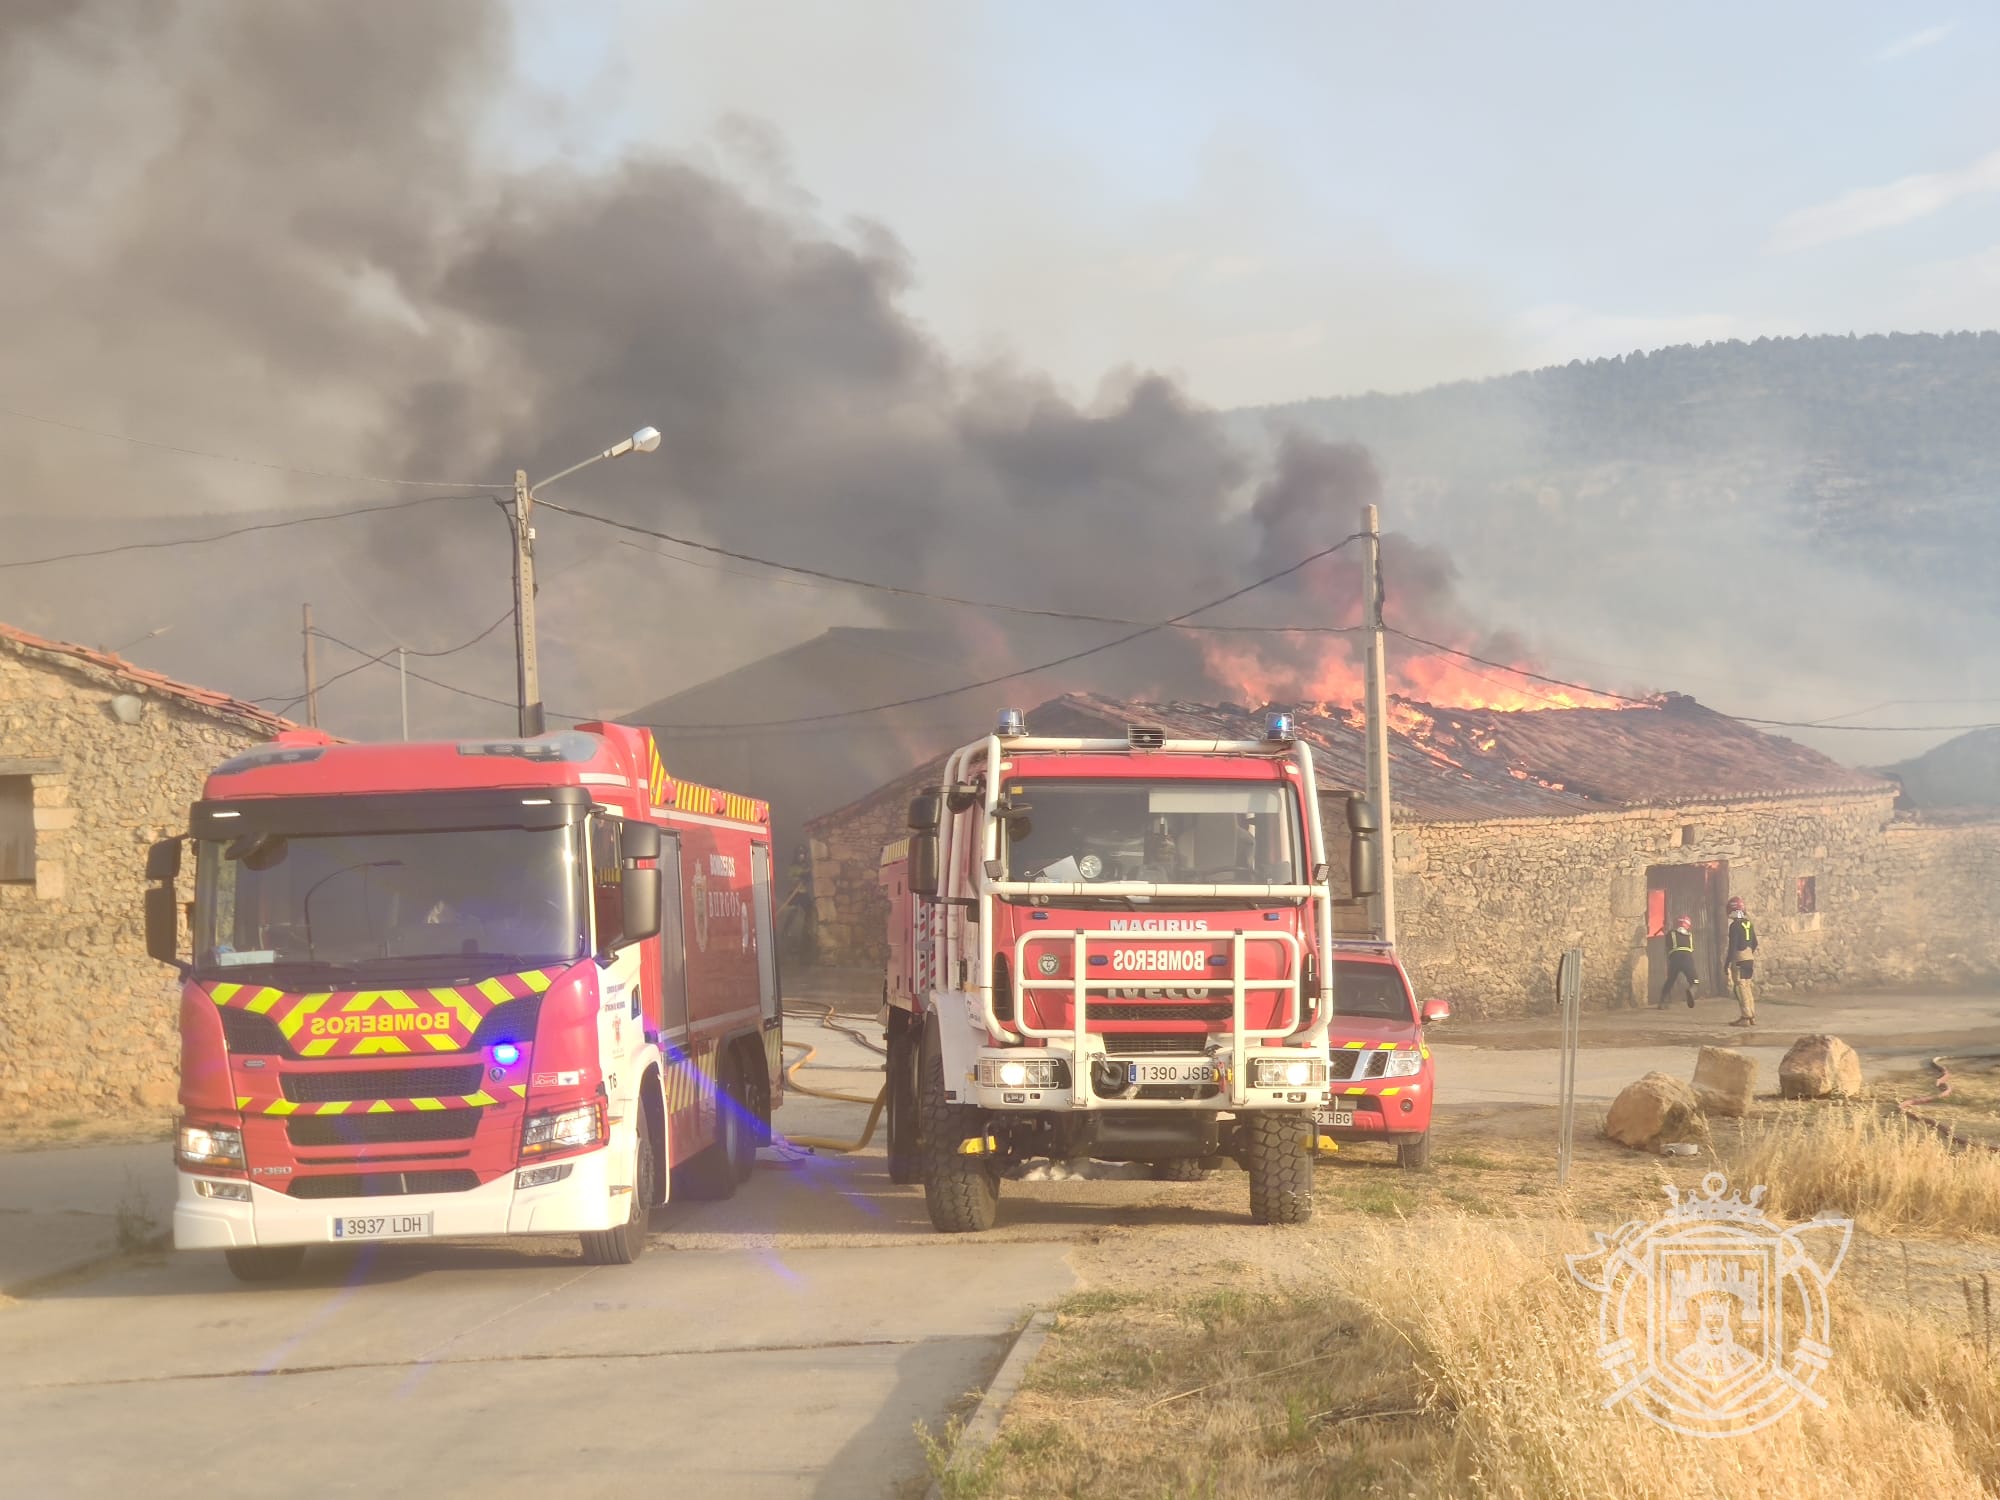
(1113,949)
(1383,1083)
(510,986)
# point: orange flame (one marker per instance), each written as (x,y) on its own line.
(1434,677)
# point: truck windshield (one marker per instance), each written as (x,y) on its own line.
(1373,991)
(327,907)
(1165,832)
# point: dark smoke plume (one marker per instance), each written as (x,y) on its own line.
(288,231)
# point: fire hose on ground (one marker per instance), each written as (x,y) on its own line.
(1911,1108)
(807,1052)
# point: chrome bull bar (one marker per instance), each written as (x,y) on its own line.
(1079,985)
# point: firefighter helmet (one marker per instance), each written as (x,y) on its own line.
(1684,924)
(1736,906)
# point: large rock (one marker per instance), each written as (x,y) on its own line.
(1725,1081)
(1818,1067)
(1656,1105)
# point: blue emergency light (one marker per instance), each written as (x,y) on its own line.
(1012,722)
(506,1054)
(1278,727)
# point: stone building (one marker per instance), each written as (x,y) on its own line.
(1518,835)
(98,758)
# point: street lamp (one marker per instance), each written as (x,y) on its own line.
(528,681)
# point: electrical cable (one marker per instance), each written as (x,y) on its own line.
(1059,661)
(255,463)
(218,536)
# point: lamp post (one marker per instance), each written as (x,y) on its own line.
(528,679)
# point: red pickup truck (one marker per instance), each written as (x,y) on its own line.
(1383,1079)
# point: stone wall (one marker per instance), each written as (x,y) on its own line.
(87,1020)
(851,912)
(1484,910)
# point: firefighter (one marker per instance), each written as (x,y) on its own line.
(795,917)
(1680,962)
(1741,950)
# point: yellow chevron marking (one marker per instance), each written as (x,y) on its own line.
(242,1101)
(1357,1091)
(520,1090)
(296,1018)
(338,1107)
(1424,1052)
(380,1107)
(481,1099)
(1351,1046)
(427,1103)
(537,980)
(224,993)
(280,1107)
(440,1041)
(318,1048)
(494,990)
(1390,1093)
(372,1044)
(260,1004)
(1385,1046)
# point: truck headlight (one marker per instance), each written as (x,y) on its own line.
(1023,1073)
(1287,1072)
(234,1192)
(562,1130)
(209,1146)
(1404,1065)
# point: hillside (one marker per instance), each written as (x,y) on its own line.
(1779,527)
(1960,773)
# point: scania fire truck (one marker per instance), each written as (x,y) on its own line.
(484,987)
(1113,949)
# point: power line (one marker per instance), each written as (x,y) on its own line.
(1060,661)
(902,591)
(1483,661)
(255,463)
(383,657)
(218,536)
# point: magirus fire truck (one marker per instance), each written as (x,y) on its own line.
(485,987)
(1113,949)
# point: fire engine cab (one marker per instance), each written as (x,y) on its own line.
(484,987)
(1114,949)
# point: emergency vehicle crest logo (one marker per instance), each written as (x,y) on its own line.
(701,906)
(1713,1319)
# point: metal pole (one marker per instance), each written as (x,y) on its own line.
(1378,721)
(528,677)
(1569,991)
(312,678)
(403,674)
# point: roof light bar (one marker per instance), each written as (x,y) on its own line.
(1278,727)
(1012,724)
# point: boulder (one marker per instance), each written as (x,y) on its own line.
(1725,1081)
(1653,1106)
(1817,1067)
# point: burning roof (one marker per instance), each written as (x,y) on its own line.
(1450,765)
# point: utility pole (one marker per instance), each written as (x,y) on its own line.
(403,675)
(528,674)
(1378,717)
(312,678)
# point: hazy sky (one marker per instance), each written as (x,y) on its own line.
(1278,200)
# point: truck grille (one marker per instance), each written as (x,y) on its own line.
(1192,1043)
(382,1130)
(1358,1064)
(1187,1010)
(383,1184)
(257,1036)
(384,1083)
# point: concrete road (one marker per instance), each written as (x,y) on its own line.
(781,1344)
(1516,1062)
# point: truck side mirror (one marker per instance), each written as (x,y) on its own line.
(1436,1010)
(923,864)
(639,915)
(923,815)
(964,795)
(163,927)
(642,840)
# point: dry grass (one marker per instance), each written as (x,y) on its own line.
(1423,1350)
(1880,1169)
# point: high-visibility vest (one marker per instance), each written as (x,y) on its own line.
(1681,942)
